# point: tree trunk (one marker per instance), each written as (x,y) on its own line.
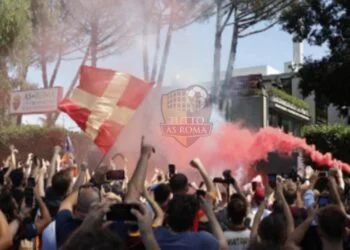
(217,66)
(73,82)
(49,120)
(4,92)
(217,52)
(22,78)
(94,42)
(145,43)
(165,54)
(233,51)
(43,65)
(55,70)
(157,49)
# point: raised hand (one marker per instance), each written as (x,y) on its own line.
(57,149)
(196,163)
(279,185)
(13,149)
(146,149)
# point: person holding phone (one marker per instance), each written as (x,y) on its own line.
(181,212)
(91,234)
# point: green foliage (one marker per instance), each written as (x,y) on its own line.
(289,98)
(15,27)
(334,139)
(323,22)
(40,141)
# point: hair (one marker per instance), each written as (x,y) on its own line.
(102,239)
(61,182)
(290,192)
(332,222)
(178,183)
(162,193)
(237,209)
(17,177)
(8,205)
(182,210)
(273,229)
(86,197)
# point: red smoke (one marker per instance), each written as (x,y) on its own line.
(230,146)
(237,148)
(237,144)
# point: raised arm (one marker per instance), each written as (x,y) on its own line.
(14,151)
(159,214)
(286,209)
(137,181)
(197,164)
(333,188)
(214,224)
(53,166)
(41,179)
(257,220)
(83,177)
(69,202)
(12,162)
(45,217)
(5,236)
(296,237)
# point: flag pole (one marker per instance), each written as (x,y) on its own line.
(100,162)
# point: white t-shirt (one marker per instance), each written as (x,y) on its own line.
(253,212)
(238,240)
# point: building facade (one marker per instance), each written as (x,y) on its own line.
(261,100)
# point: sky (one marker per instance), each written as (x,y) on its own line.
(191,58)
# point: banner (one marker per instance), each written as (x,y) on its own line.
(35,101)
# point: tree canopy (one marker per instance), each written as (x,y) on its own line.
(15,32)
(323,22)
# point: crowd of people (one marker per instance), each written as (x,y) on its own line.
(50,205)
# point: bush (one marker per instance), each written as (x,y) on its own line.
(297,102)
(334,139)
(40,141)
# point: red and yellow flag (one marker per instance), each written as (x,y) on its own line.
(104,102)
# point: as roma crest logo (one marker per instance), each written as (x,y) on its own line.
(16,102)
(186,114)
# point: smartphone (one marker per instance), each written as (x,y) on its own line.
(29,197)
(31,182)
(171,169)
(200,192)
(122,212)
(115,175)
(272,180)
(219,180)
(323,201)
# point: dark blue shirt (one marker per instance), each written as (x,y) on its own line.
(65,226)
(168,240)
